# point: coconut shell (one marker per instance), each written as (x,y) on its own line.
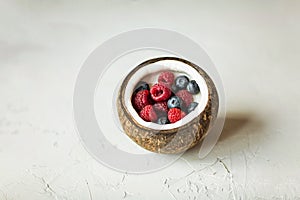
(176,140)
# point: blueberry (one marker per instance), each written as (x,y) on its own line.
(175,102)
(192,87)
(174,88)
(192,107)
(163,120)
(181,82)
(141,86)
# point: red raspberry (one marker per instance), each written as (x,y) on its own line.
(161,108)
(186,97)
(141,99)
(166,78)
(175,114)
(148,114)
(160,92)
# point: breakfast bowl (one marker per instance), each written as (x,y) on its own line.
(167,105)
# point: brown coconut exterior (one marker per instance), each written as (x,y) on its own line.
(175,140)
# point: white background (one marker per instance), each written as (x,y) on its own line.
(255,46)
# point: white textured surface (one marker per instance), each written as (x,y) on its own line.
(254,44)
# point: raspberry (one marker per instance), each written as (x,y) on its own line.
(161,108)
(141,99)
(166,78)
(148,114)
(160,92)
(186,97)
(175,114)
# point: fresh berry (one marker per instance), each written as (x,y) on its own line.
(166,78)
(141,99)
(175,102)
(192,107)
(181,82)
(161,108)
(141,86)
(186,97)
(160,92)
(175,114)
(193,87)
(174,88)
(148,114)
(163,120)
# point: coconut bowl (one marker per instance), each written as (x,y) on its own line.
(181,135)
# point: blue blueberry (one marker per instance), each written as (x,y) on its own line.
(141,86)
(181,82)
(192,87)
(175,102)
(163,120)
(174,88)
(192,107)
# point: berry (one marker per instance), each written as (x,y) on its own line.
(174,88)
(141,86)
(192,107)
(141,99)
(166,78)
(175,114)
(186,97)
(175,102)
(163,120)
(148,114)
(193,87)
(160,92)
(161,108)
(181,82)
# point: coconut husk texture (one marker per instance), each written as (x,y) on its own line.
(176,140)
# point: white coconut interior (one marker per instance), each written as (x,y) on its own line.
(149,73)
